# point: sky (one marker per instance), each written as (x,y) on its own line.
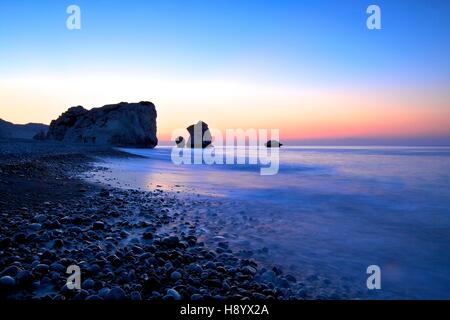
(310,68)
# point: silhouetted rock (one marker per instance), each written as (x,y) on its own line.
(123,124)
(20,131)
(199,135)
(273,144)
(180,142)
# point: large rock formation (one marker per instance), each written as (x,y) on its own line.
(199,135)
(123,124)
(10,130)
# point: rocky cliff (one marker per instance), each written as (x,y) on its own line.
(199,135)
(123,124)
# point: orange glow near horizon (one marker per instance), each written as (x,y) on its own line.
(299,113)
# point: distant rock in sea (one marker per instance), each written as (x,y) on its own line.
(124,124)
(273,144)
(199,135)
(10,130)
(180,142)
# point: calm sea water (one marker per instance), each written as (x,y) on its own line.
(332,211)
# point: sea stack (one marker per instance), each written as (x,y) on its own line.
(199,135)
(123,125)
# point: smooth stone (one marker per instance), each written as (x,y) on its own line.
(115,293)
(10,271)
(58,243)
(175,275)
(248,270)
(172,241)
(196,297)
(88,284)
(35,226)
(24,277)
(174,294)
(98,225)
(196,268)
(42,268)
(147,235)
(103,292)
(20,237)
(168,266)
(268,276)
(5,243)
(135,296)
(211,265)
(55,266)
(7,282)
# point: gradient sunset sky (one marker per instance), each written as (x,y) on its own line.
(309,68)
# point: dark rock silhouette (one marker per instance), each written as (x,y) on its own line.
(123,124)
(273,144)
(199,135)
(180,142)
(9,130)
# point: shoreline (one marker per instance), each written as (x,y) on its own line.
(51,219)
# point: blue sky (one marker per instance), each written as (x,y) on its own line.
(203,35)
(321,44)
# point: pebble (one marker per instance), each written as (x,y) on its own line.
(136,296)
(115,293)
(24,278)
(7,282)
(175,275)
(41,268)
(88,284)
(174,294)
(98,225)
(10,271)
